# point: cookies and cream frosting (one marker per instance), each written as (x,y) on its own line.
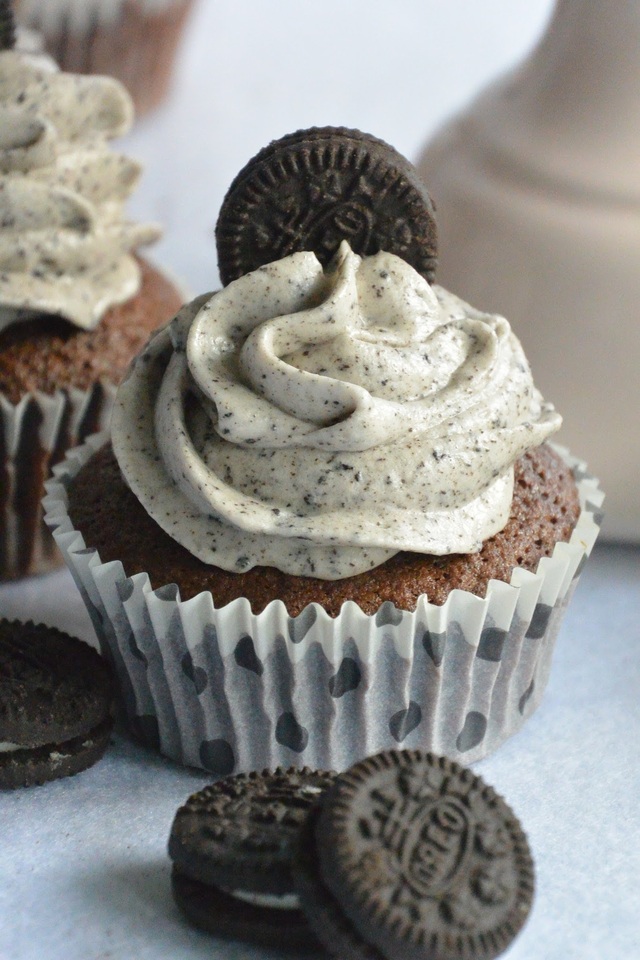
(65,245)
(320,422)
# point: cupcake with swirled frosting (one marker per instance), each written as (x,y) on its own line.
(393,411)
(329,522)
(76,299)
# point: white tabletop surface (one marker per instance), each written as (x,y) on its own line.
(84,873)
(83,868)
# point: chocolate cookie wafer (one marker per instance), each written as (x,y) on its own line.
(314,188)
(412,856)
(56,699)
(232,845)
(281,925)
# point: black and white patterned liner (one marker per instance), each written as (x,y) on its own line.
(34,434)
(230,691)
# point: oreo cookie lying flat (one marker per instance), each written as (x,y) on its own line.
(281,926)
(411,856)
(312,189)
(232,845)
(56,698)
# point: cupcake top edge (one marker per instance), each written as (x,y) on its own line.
(65,244)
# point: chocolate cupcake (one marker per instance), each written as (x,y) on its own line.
(330,523)
(135,41)
(76,301)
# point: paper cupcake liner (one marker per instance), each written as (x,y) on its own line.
(35,434)
(136,42)
(231,691)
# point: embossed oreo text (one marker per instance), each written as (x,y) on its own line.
(438,850)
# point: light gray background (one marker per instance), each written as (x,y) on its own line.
(255,70)
(83,869)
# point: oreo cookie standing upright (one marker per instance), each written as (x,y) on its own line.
(56,697)
(412,857)
(232,844)
(312,189)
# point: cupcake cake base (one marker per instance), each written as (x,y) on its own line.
(57,386)
(230,688)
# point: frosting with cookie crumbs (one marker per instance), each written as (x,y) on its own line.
(321,421)
(65,245)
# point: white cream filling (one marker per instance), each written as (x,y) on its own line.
(271,901)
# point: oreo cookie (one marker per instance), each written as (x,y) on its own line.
(232,844)
(412,856)
(56,697)
(281,925)
(313,189)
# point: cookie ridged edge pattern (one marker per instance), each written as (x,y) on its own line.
(369,913)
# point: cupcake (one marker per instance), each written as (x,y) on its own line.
(76,300)
(329,522)
(135,41)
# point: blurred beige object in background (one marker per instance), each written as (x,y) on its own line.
(537,189)
(133,40)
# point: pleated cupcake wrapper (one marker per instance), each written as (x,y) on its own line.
(35,434)
(230,691)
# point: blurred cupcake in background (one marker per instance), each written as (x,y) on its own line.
(134,41)
(76,299)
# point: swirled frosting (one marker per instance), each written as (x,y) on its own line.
(320,422)
(65,247)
